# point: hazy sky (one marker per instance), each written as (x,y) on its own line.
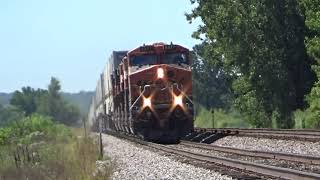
(70,39)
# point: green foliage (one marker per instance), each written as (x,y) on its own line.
(82,99)
(211,85)
(313,116)
(260,45)
(9,114)
(5,135)
(57,107)
(311,11)
(300,117)
(221,119)
(5,98)
(28,129)
(60,155)
(27,99)
(50,151)
(306,119)
(73,160)
(47,102)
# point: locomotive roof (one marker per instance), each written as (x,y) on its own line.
(145,48)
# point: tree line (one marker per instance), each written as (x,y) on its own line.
(48,102)
(36,144)
(259,58)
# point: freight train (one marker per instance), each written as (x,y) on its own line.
(146,92)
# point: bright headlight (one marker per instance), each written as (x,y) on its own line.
(147,102)
(178,100)
(160,73)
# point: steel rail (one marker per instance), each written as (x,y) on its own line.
(261,169)
(306,132)
(262,154)
(302,135)
(277,172)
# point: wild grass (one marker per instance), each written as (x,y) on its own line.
(55,152)
(206,119)
(218,119)
(306,119)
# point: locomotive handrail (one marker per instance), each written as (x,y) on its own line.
(135,102)
(144,88)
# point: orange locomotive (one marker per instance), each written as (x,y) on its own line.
(146,92)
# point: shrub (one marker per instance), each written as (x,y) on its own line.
(37,148)
(23,131)
(204,118)
(307,119)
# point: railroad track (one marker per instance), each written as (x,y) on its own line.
(287,134)
(306,159)
(260,169)
(293,161)
(266,170)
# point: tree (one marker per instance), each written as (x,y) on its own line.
(55,106)
(46,102)
(311,11)
(9,114)
(262,44)
(54,88)
(27,99)
(211,85)
(55,103)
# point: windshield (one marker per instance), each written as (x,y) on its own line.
(143,60)
(175,58)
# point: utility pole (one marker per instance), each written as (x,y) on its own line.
(100,137)
(212,114)
(85,127)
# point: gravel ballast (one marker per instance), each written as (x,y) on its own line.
(258,160)
(274,145)
(134,162)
